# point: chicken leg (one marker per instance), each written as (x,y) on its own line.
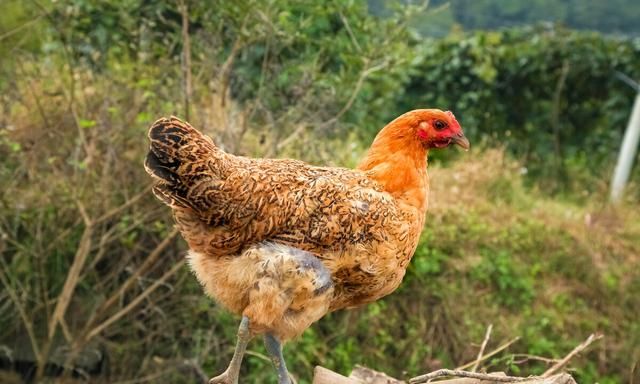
(230,375)
(274,349)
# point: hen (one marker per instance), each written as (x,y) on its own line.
(281,242)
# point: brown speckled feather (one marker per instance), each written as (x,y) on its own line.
(354,230)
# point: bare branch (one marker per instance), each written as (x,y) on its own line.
(186,57)
(95,331)
(83,213)
(524,357)
(68,336)
(472,375)
(350,32)
(153,256)
(492,353)
(258,355)
(72,279)
(322,375)
(559,365)
(225,70)
(28,324)
(283,143)
(109,214)
(370,376)
(197,370)
(64,298)
(363,76)
(21,27)
(484,345)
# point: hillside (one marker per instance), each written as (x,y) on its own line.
(616,17)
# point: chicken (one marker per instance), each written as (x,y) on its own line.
(281,242)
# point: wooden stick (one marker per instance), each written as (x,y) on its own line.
(559,365)
(524,357)
(322,375)
(482,347)
(472,375)
(492,353)
(369,376)
(148,262)
(363,375)
(135,301)
(561,378)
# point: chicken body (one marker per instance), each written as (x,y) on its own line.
(281,242)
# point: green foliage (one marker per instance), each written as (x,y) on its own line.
(550,95)
(21,31)
(319,48)
(429,262)
(499,270)
(330,66)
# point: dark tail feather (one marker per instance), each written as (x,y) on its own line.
(171,196)
(163,171)
(174,143)
(167,137)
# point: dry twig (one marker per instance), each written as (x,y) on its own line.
(524,357)
(369,376)
(490,354)
(136,301)
(149,260)
(131,201)
(482,347)
(544,378)
(28,323)
(322,375)
(472,375)
(354,41)
(559,365)
(356,90)
(186,57)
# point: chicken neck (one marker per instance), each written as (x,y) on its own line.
(398,162)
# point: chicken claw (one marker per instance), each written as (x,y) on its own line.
(230,375)
(224,378)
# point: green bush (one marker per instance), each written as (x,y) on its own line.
(513,287)
(550,95)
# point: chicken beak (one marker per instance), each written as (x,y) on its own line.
(461,140)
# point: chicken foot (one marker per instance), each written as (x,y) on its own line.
(274,349)
(230,375)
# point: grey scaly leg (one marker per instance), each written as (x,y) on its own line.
(230,375)
(274,349)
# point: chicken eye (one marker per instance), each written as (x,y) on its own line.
(440,125)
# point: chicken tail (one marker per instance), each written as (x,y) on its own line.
(175,157)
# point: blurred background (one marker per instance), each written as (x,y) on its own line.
(520,232)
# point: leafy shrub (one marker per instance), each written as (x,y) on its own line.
(513,287)
(550,95)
